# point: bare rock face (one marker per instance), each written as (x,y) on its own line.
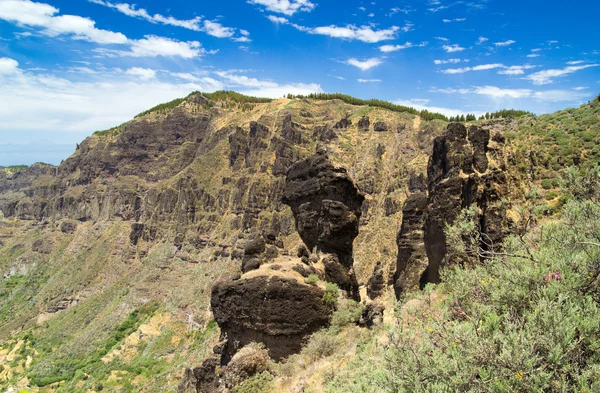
(343,123)
(459,174)
(326,205)
(412,260)
(275,311)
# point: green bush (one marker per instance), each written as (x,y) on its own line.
(331,293)
(258,383)
(526,320)
(312,279)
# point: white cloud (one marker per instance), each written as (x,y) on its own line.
(360,80)
(481,67)
(481,40)
(505,43)
(286,7)
(419,104)
(277,19)
(454,20)
(442,39)
(153,46)
(351,32)
(516,70)
(8,66)
(575,62)
(498,93)
(141,13)
(46,102)
(453,48)
(505,70)
(365,64)
(40,15)
(531,55)
(449,61)
(212,28)
(579,88)
(337,77)
(393,48)
(143,73)
(265,88)
(547,76)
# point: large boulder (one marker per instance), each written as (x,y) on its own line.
(276,311)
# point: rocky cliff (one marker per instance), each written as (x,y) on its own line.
(466,168)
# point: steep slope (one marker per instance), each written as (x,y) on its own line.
(159,209)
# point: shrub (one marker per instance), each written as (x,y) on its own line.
(258,383)
(331,293)
(321,344)
(312,279)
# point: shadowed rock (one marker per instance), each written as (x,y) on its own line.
(458,175)
(275,311)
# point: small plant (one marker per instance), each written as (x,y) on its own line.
(331,293)
(312,279)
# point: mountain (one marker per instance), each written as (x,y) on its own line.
(221,213)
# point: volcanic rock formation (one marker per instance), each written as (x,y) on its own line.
(465,168)
(271,303)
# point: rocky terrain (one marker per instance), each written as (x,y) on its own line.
(157,255)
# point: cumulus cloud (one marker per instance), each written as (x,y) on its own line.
(39,15)
(41,101)
(393,48)
(360,80)
(8,66)
(453,48)
(547,76)
(351,32)
(481,40)
(516,70)
(153,46)
(286,7)
(364,64)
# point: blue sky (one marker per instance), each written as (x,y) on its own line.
(70,67)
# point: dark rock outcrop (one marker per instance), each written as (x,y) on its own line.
(380,126)
(275,311)
(343,123)
(364,123)
(459,175)
(377,283)
(412,259)
(326,205)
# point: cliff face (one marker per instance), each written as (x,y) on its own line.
(466,168)
(178,199)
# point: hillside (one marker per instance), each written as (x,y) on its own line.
(109,260)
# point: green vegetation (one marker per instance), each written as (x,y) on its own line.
(312,279)
(331,293)
(258,383)
(526,320)
(65,368)
(425,114)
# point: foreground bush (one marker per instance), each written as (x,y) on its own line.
(525,320)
